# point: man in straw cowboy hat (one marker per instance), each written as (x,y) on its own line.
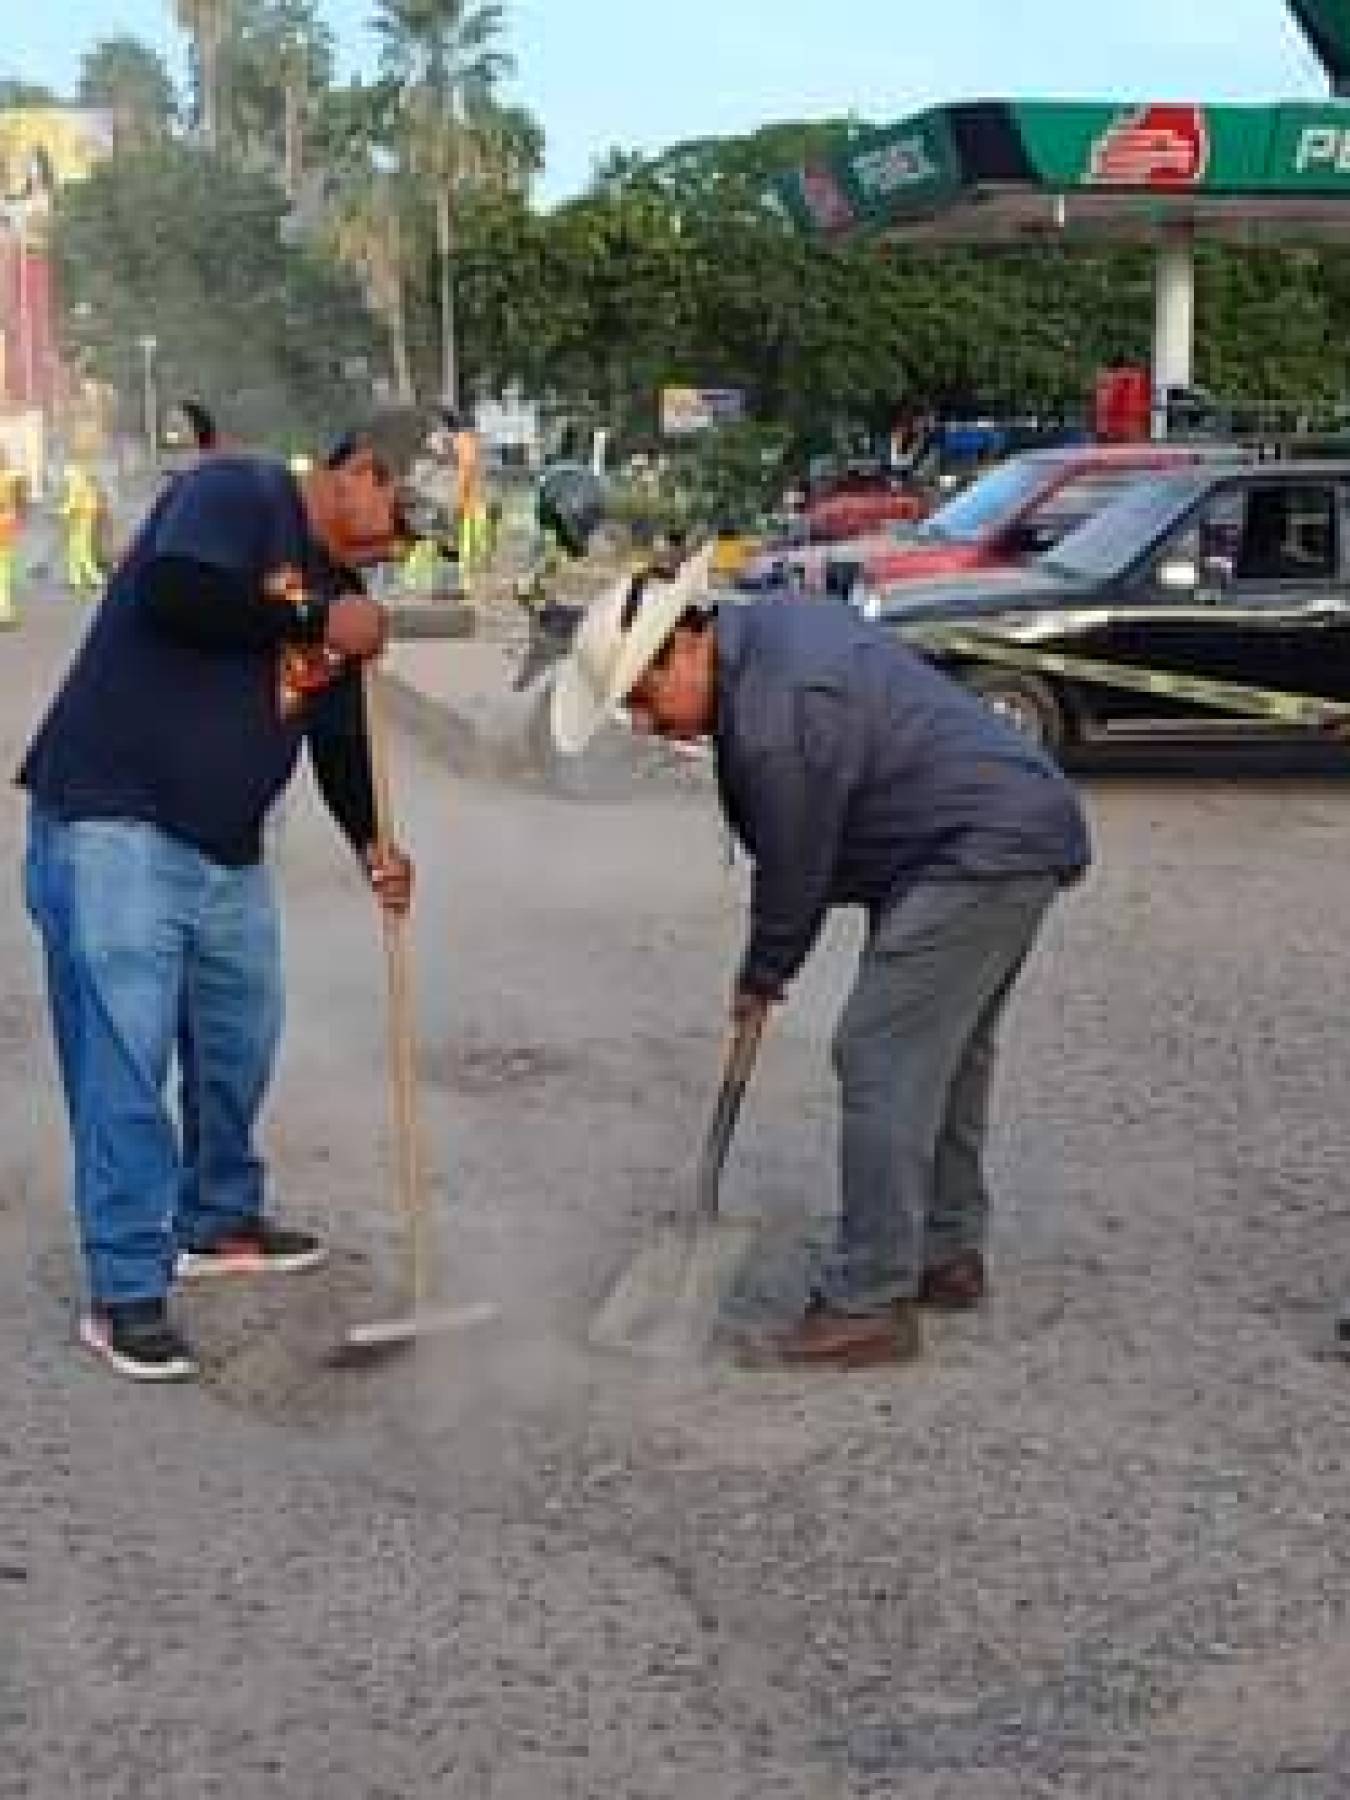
(855,774)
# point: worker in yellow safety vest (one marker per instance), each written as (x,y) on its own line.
(11,524)
(470,492)
(424,566)
(82,510)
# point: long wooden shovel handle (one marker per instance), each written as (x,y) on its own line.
(404,1122)
(736,1072)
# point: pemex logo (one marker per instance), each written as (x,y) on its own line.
(1153,147)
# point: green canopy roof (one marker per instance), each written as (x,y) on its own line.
(1007,171)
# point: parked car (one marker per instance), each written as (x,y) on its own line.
(870,493)
(1012,513)
(1230,572)
(858,500)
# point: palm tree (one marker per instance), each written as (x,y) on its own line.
(295,80)
(506,144)
(206,22)
(445,60)
(364,214)
(276,66)
(366,231)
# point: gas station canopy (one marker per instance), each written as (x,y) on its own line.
(1161,172)
(1158,172)
(1007,172)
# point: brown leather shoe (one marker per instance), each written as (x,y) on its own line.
(954,1286)
(823,1338)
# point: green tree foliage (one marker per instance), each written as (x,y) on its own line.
(14,92)
(186,247)
(675,269)
(1272,326)
(129,79)
(735,477)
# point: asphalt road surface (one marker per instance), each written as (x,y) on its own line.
(1095,1545)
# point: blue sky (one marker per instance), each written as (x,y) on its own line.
(606,72)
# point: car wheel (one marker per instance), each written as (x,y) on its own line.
(1026,702)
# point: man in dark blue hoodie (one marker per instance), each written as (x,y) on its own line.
(857,775)
(230,640)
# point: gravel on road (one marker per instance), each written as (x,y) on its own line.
(1095,1545)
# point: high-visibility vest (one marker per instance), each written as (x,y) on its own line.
(81,497)
(11,515)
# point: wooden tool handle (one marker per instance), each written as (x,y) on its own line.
(403,1112)
(377,738)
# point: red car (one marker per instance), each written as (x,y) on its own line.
(1015,511)
(841,516)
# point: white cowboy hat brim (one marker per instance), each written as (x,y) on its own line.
(576,713)
(606,662)
(578,702)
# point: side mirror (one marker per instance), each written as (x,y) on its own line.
(1178,575)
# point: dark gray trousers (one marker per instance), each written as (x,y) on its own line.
(914,1053)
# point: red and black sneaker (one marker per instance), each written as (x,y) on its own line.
(135,1338)
(258,1248)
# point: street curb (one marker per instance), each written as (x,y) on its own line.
(459,740)
(433,619)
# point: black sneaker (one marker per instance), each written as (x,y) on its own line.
(136,1338)
(258,1248)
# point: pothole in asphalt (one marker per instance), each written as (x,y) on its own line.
(484,1069)
(267,1345)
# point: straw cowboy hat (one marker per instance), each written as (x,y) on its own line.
(609,657)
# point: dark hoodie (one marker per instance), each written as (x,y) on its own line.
(852,770)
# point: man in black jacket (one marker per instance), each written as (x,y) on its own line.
(857,775)
(230,638)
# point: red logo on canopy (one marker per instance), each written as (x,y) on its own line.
(1155,147)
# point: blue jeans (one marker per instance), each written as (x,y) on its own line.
(151,947)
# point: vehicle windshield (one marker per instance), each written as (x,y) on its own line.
(1108,543)
(986,504)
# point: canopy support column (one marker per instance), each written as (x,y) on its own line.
(1174,323)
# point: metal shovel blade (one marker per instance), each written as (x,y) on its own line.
(667,1301)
